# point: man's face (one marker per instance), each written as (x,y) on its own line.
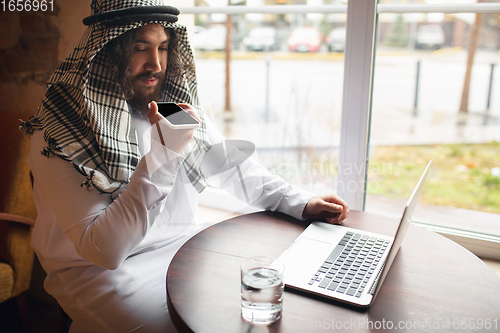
(148,64)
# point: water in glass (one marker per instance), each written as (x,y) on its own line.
(261,295)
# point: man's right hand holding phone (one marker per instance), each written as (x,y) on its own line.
(174,139)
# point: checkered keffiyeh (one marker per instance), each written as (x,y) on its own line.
(85,116)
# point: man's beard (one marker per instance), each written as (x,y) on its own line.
(140,99)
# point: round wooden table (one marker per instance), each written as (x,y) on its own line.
(433,285)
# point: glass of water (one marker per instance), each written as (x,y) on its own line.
(261,290)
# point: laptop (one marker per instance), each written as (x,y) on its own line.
(345,264)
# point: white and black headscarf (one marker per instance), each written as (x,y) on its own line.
(84,115)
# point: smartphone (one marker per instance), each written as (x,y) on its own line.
(175,117)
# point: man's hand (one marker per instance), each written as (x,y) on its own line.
(329,207)
(175,139)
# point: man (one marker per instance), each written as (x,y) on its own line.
(105,235)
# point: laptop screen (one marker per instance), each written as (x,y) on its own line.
(403,226)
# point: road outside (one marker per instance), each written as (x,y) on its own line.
(304,102)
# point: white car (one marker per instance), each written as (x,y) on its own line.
(211,39)
(335,40)
(429,36)
(261,39)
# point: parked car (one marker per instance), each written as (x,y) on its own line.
(305,39)
(211,39)
(197,36)
(335,40)
(261,39)
(429,36)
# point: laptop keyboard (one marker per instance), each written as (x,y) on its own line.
(351,264)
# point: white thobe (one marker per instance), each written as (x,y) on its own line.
(106,260)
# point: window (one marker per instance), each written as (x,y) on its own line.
(368,103)
(420,112)
(286,74)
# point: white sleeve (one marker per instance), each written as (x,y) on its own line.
(103,231)
(254,184)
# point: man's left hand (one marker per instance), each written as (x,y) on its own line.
(329,207)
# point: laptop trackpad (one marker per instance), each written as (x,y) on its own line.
(303,259)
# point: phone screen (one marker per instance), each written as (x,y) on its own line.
(175,114)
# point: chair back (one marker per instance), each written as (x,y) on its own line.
(16,250)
